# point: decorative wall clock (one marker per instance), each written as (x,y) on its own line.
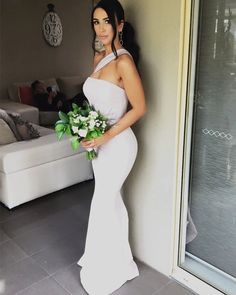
(52,27)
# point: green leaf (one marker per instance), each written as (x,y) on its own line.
(99,133)
(70,114)
(74,143)
(60,135)
(94,134)
(68,130)
(59,122)
(71,121)
(86,104)
(84,112)
(91,155)
(64,117)
(60,127)
(75,107)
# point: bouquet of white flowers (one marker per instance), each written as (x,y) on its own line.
(81,123)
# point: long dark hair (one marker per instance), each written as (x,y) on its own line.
(115,11)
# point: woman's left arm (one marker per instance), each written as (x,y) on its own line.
(135,93)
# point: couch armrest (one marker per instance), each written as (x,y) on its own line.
(27,112)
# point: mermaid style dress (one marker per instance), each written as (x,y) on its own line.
(107,262)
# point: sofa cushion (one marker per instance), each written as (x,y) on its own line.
(70,86)
(34,152)
(9,121)
(25,94)
(7,136)
(25,129)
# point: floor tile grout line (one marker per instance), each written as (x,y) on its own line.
(47,277)
(162,287)
(35,211)
(18,261)
(182,285)
(48,246)
(14,217)
(66,267)
(52,274)
(191,292)
(44,248)
(31,255)
(31,285)
(23,234)
(20,235)
(61,286)
(35,283)
(30,209)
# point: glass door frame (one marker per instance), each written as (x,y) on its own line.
(187,67)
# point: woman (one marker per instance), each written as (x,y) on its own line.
(107,262)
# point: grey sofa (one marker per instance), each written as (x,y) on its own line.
(33,168)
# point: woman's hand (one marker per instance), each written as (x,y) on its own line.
(96,142)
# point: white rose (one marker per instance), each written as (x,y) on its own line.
(93,114)
(83,118)
(82,132)
(75,129)
(91,124)
(77,120)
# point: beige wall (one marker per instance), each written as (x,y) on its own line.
(150,187)
(26,56)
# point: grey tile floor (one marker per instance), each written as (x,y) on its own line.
(41,241)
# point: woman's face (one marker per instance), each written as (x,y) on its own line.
(102,26)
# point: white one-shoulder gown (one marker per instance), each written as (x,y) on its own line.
(107,262)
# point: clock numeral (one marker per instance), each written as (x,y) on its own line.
(52,18)
(54,40)
(59,29)
(47,29)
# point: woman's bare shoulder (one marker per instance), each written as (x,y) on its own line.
(125,62)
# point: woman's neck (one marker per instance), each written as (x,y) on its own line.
(109,50)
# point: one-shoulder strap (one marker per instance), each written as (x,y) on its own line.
(104,61)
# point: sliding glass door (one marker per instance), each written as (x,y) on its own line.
(209,181)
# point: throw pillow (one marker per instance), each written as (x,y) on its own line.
(26,95)
(5,117)
(24,127)
(7,136)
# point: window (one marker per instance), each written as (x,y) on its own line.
(208,246)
